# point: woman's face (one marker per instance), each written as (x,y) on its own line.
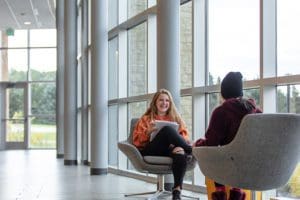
(162,104)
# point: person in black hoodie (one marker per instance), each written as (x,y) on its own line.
(224,123)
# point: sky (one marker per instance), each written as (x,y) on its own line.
(234,37)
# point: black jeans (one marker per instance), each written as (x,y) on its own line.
(160,146)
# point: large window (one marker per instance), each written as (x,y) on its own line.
(230,35)
(28,57)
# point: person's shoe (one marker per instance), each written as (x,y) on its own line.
(219,195)
(237,194)
(176,195)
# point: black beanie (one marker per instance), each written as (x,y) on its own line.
(232,85)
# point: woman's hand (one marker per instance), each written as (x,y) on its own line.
(151,128)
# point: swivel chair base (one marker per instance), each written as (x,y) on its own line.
(160,192)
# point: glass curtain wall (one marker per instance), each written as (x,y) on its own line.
(232,41)
(27,57)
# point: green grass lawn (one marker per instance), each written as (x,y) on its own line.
(41,136)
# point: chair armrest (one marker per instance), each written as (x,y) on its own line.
(133,154)
(212,161)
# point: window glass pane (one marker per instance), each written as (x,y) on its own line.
(186,114)
(14,65)
(112,13)
(288,101)
(89,23)
(294,98)
(79,133)
(15,119)
(19,39)
(113,56)
(294,181)
(43,64)
(288,40)
(282,100)
(79,31)
(89,76)
(43,98)
(215,99)
(113,135)
(79,84)
(151,3)
(42,37)
(135,110)
(42,132)
(186,45)
(15,130)
(137,60)
(233,27)
(135,7)
(15,103)
(293,185)
(253,94)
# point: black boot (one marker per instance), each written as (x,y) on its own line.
(236,194)
(219,195)
(176,195)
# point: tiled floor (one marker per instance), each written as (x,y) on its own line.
(37,174)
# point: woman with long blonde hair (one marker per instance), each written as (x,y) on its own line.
(168,140)
(171,112)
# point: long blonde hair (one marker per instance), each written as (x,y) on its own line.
(171,112)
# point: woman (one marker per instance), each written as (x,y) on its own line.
(168,141)
(224,123)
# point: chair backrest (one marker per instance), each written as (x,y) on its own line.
(132,125)
(265,151)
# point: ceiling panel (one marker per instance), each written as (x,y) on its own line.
(13,14)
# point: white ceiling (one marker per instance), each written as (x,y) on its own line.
(13,14)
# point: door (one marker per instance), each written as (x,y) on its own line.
(15,116)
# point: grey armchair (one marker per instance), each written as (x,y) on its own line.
(262,156)
(149,164)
